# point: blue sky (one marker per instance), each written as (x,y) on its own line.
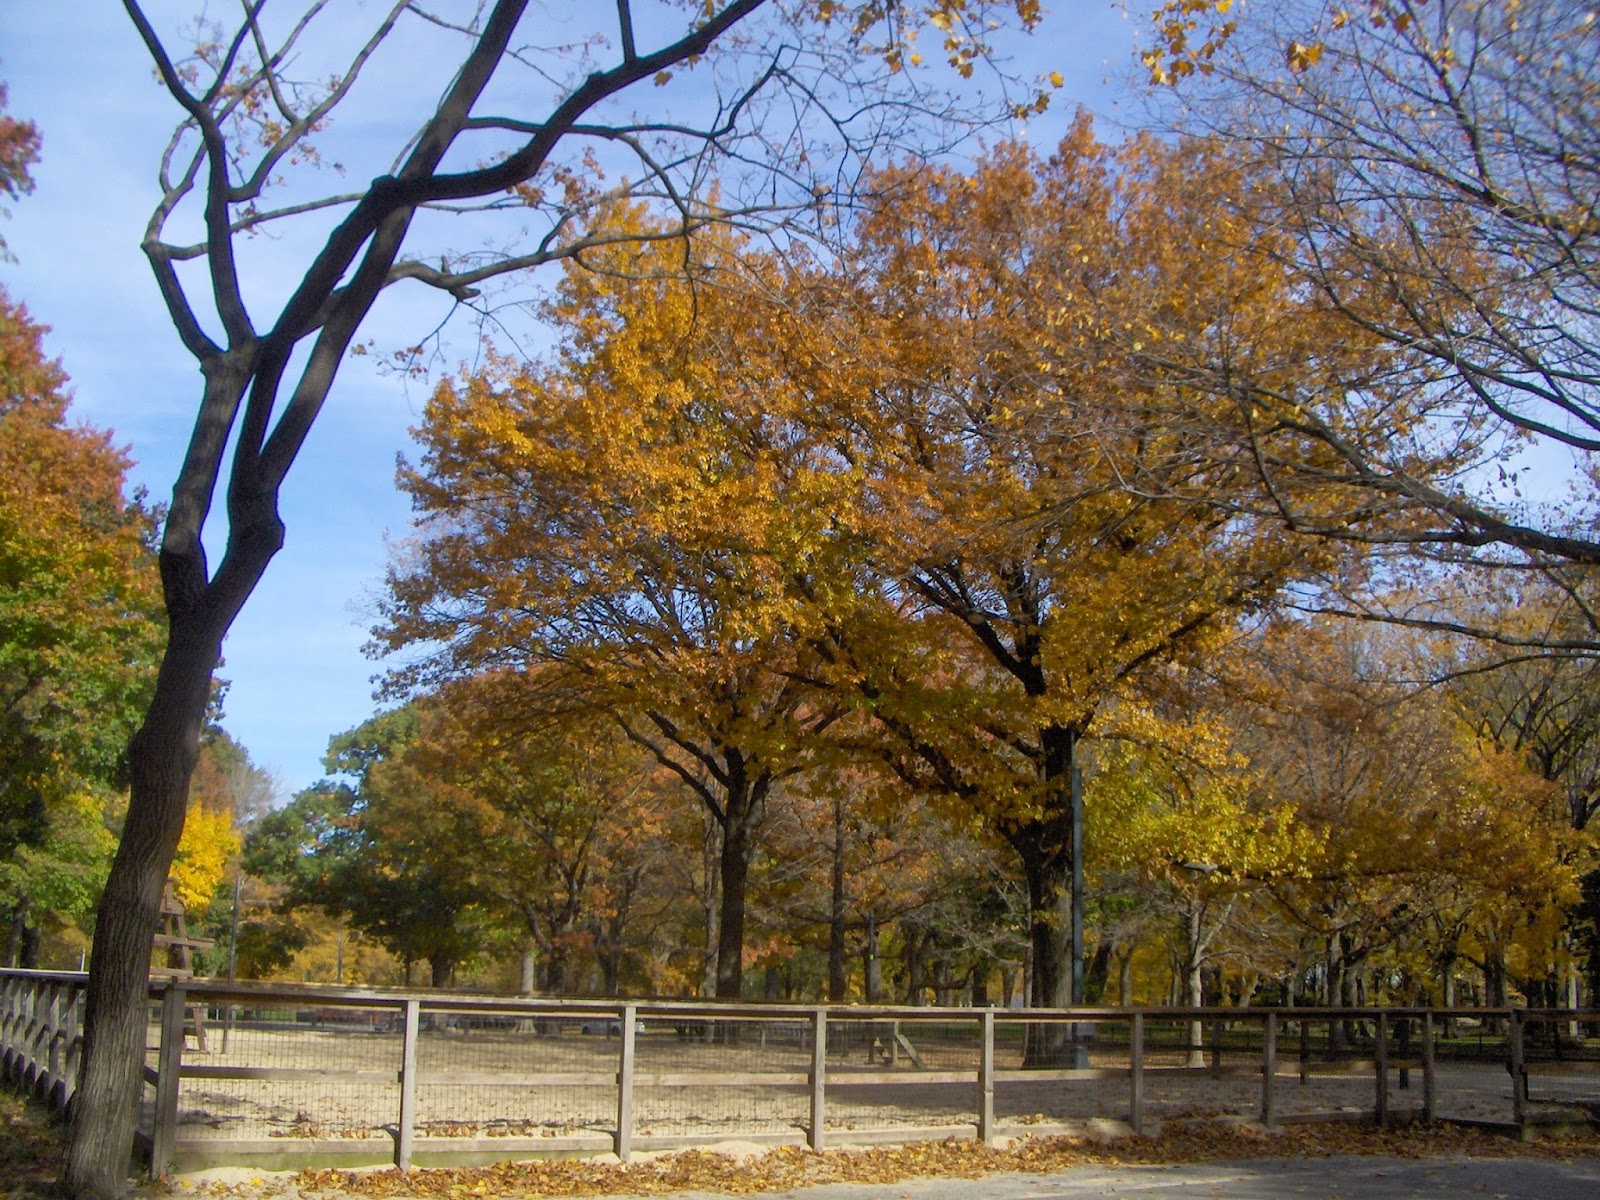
(294,657)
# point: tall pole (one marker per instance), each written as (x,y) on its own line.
(233,924)
(1080,1048)
(1077,883)
(233,950)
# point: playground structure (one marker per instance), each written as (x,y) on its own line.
(306,1075)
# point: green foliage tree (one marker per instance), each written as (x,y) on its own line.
(380,849)
(80,633)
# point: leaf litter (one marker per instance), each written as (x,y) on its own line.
(787,1168)
(31,1145)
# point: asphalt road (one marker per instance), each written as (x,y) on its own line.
(1347,1178)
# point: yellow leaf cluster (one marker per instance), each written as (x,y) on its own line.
(208,845)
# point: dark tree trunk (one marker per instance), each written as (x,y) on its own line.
(610,957)
(442,969)
(161,758)
(1044,845)
(22,937)
(838,982)
(14,925)
(741,811)
(734,869)
(917,939)
(1049,880)
(1098,974)
(555,968)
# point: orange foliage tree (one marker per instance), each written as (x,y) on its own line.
(1020,461)
(750,498)
(622,519)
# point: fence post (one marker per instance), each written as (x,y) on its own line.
(1518,1067)
(624,1140)
(61,1008)
(819,1070)
(11,1029)
(1428,1094)
(986,1081)
(54,1076)
(404,1132)
(74,1043)
(29,1038)
(1380,1068)
(1305,1051)
(169,1060)
(1136,1074)
(1269,1068)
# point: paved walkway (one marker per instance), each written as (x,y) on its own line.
(1360,1177)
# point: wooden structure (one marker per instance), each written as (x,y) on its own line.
(180,947)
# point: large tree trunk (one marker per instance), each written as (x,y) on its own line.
(161,758)
(734,869)
(1049,879)
(741,811)
(1044,844)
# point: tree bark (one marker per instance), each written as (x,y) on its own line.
(1048,873)
(161,759)
(734,869)
(526,976)
(1044,845)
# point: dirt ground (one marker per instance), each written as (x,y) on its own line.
(582,1097)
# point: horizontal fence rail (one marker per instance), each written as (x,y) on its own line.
(266,1074)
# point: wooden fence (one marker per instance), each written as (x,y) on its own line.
(271,1075)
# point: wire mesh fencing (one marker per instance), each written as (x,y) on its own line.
(266,1074)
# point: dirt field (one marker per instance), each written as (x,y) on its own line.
(682,1086)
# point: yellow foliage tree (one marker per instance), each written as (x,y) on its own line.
(208,845)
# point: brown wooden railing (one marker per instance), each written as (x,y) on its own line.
(298,1074)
